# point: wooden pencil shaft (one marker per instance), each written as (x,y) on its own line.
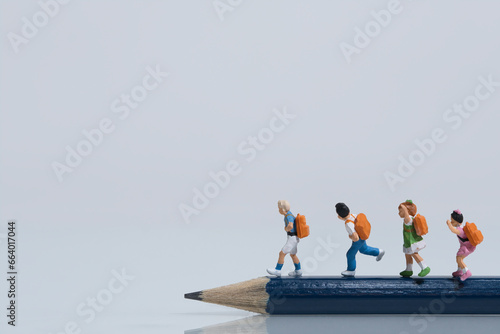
(383,295)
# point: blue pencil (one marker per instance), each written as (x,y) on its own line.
(359,295)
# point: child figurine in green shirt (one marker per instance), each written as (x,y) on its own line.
(413,243)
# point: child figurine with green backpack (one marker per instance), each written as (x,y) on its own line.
(414,226)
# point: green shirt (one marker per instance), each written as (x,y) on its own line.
(410,235)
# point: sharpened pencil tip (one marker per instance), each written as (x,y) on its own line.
(193,295)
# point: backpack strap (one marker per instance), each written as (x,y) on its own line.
(350,220)
(409,228)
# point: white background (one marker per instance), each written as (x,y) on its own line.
(120,207)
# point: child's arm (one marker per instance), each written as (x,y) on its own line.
(452,228)
(289,227)
(351,231)
(354,237)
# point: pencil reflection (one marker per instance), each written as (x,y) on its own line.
(317,324)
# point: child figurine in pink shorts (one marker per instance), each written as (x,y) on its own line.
(466,248)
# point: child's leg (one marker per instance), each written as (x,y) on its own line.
(281,258)
(409,266)
(296,261)
(351,255)
(293,252)
(367,250)
(409,262)
(417,257)
(421,263)
(289,248)
(462,262)
(277,270)
(465,271)
(459,271)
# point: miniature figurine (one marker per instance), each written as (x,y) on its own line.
(467,246)
(291,243)
(413,241)
(358,232)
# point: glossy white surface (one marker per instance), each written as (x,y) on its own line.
(120,207)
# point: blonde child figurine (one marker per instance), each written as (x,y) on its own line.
(290,246)
(413,243)
(466,248)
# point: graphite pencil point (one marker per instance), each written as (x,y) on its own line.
(193,295)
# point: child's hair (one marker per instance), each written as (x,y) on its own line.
(342,210)
(412,208)
(458,216)
(283,204)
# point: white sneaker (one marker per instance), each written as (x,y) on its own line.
(274,272)
(348,273)
(295,273)
(380,255)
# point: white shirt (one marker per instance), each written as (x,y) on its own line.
(349,226)
(410,222)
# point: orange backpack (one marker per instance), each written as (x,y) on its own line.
(420,224)
(473,234)
(362,226)
(301,226)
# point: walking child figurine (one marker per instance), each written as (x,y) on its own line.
(412,238)
(354,224)
(466,247)
(291,243)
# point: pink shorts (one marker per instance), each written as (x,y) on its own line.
(466,250)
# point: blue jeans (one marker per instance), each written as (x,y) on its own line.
(363,248)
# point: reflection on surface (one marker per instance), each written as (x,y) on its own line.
(400,324)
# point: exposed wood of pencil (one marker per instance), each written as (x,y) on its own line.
(248,295)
